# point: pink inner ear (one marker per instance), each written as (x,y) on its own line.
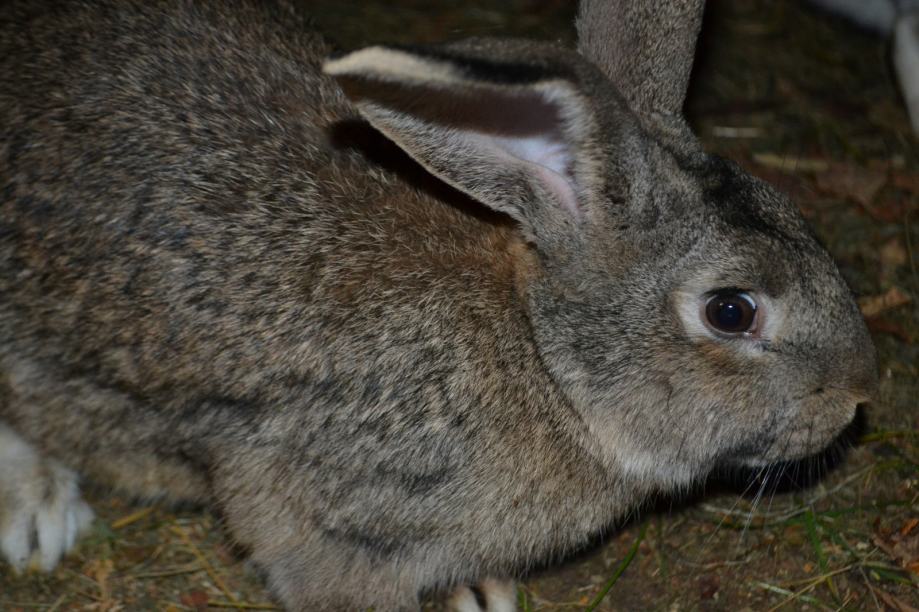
(546,159)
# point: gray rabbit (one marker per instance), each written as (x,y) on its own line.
(411,319)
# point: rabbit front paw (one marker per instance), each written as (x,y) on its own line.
(41,512)
(488,596)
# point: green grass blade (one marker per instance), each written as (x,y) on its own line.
(810,524)
(619,571)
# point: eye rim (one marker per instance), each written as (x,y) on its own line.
(745,295)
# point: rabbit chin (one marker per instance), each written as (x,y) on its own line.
(647,467)
(657,470)
(813,431)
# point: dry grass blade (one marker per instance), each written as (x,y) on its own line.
(811,583)
(190,569)
(817,579)
(131,518)
(242,606)
(57,603)
(183,535)
(793,596)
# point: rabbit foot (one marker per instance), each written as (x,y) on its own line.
(489,596)
(41,512)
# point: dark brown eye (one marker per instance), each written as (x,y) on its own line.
(731,312)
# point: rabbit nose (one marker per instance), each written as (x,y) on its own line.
(863,378)
(860,398)
(855,368)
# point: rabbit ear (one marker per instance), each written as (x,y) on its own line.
(645,48)
(508,135)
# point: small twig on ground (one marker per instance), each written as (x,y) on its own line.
(894,602)
(877,604)
(909,245)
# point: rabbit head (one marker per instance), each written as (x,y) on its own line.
(683,306)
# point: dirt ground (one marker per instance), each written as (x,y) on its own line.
(797,97)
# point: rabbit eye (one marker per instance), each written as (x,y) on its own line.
(731,312)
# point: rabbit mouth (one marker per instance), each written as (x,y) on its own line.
(797,473)
(812,432)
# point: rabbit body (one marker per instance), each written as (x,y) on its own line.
(203,298)
(218,283)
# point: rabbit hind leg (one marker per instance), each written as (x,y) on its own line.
(110,437)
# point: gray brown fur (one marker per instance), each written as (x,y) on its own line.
(218,283)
